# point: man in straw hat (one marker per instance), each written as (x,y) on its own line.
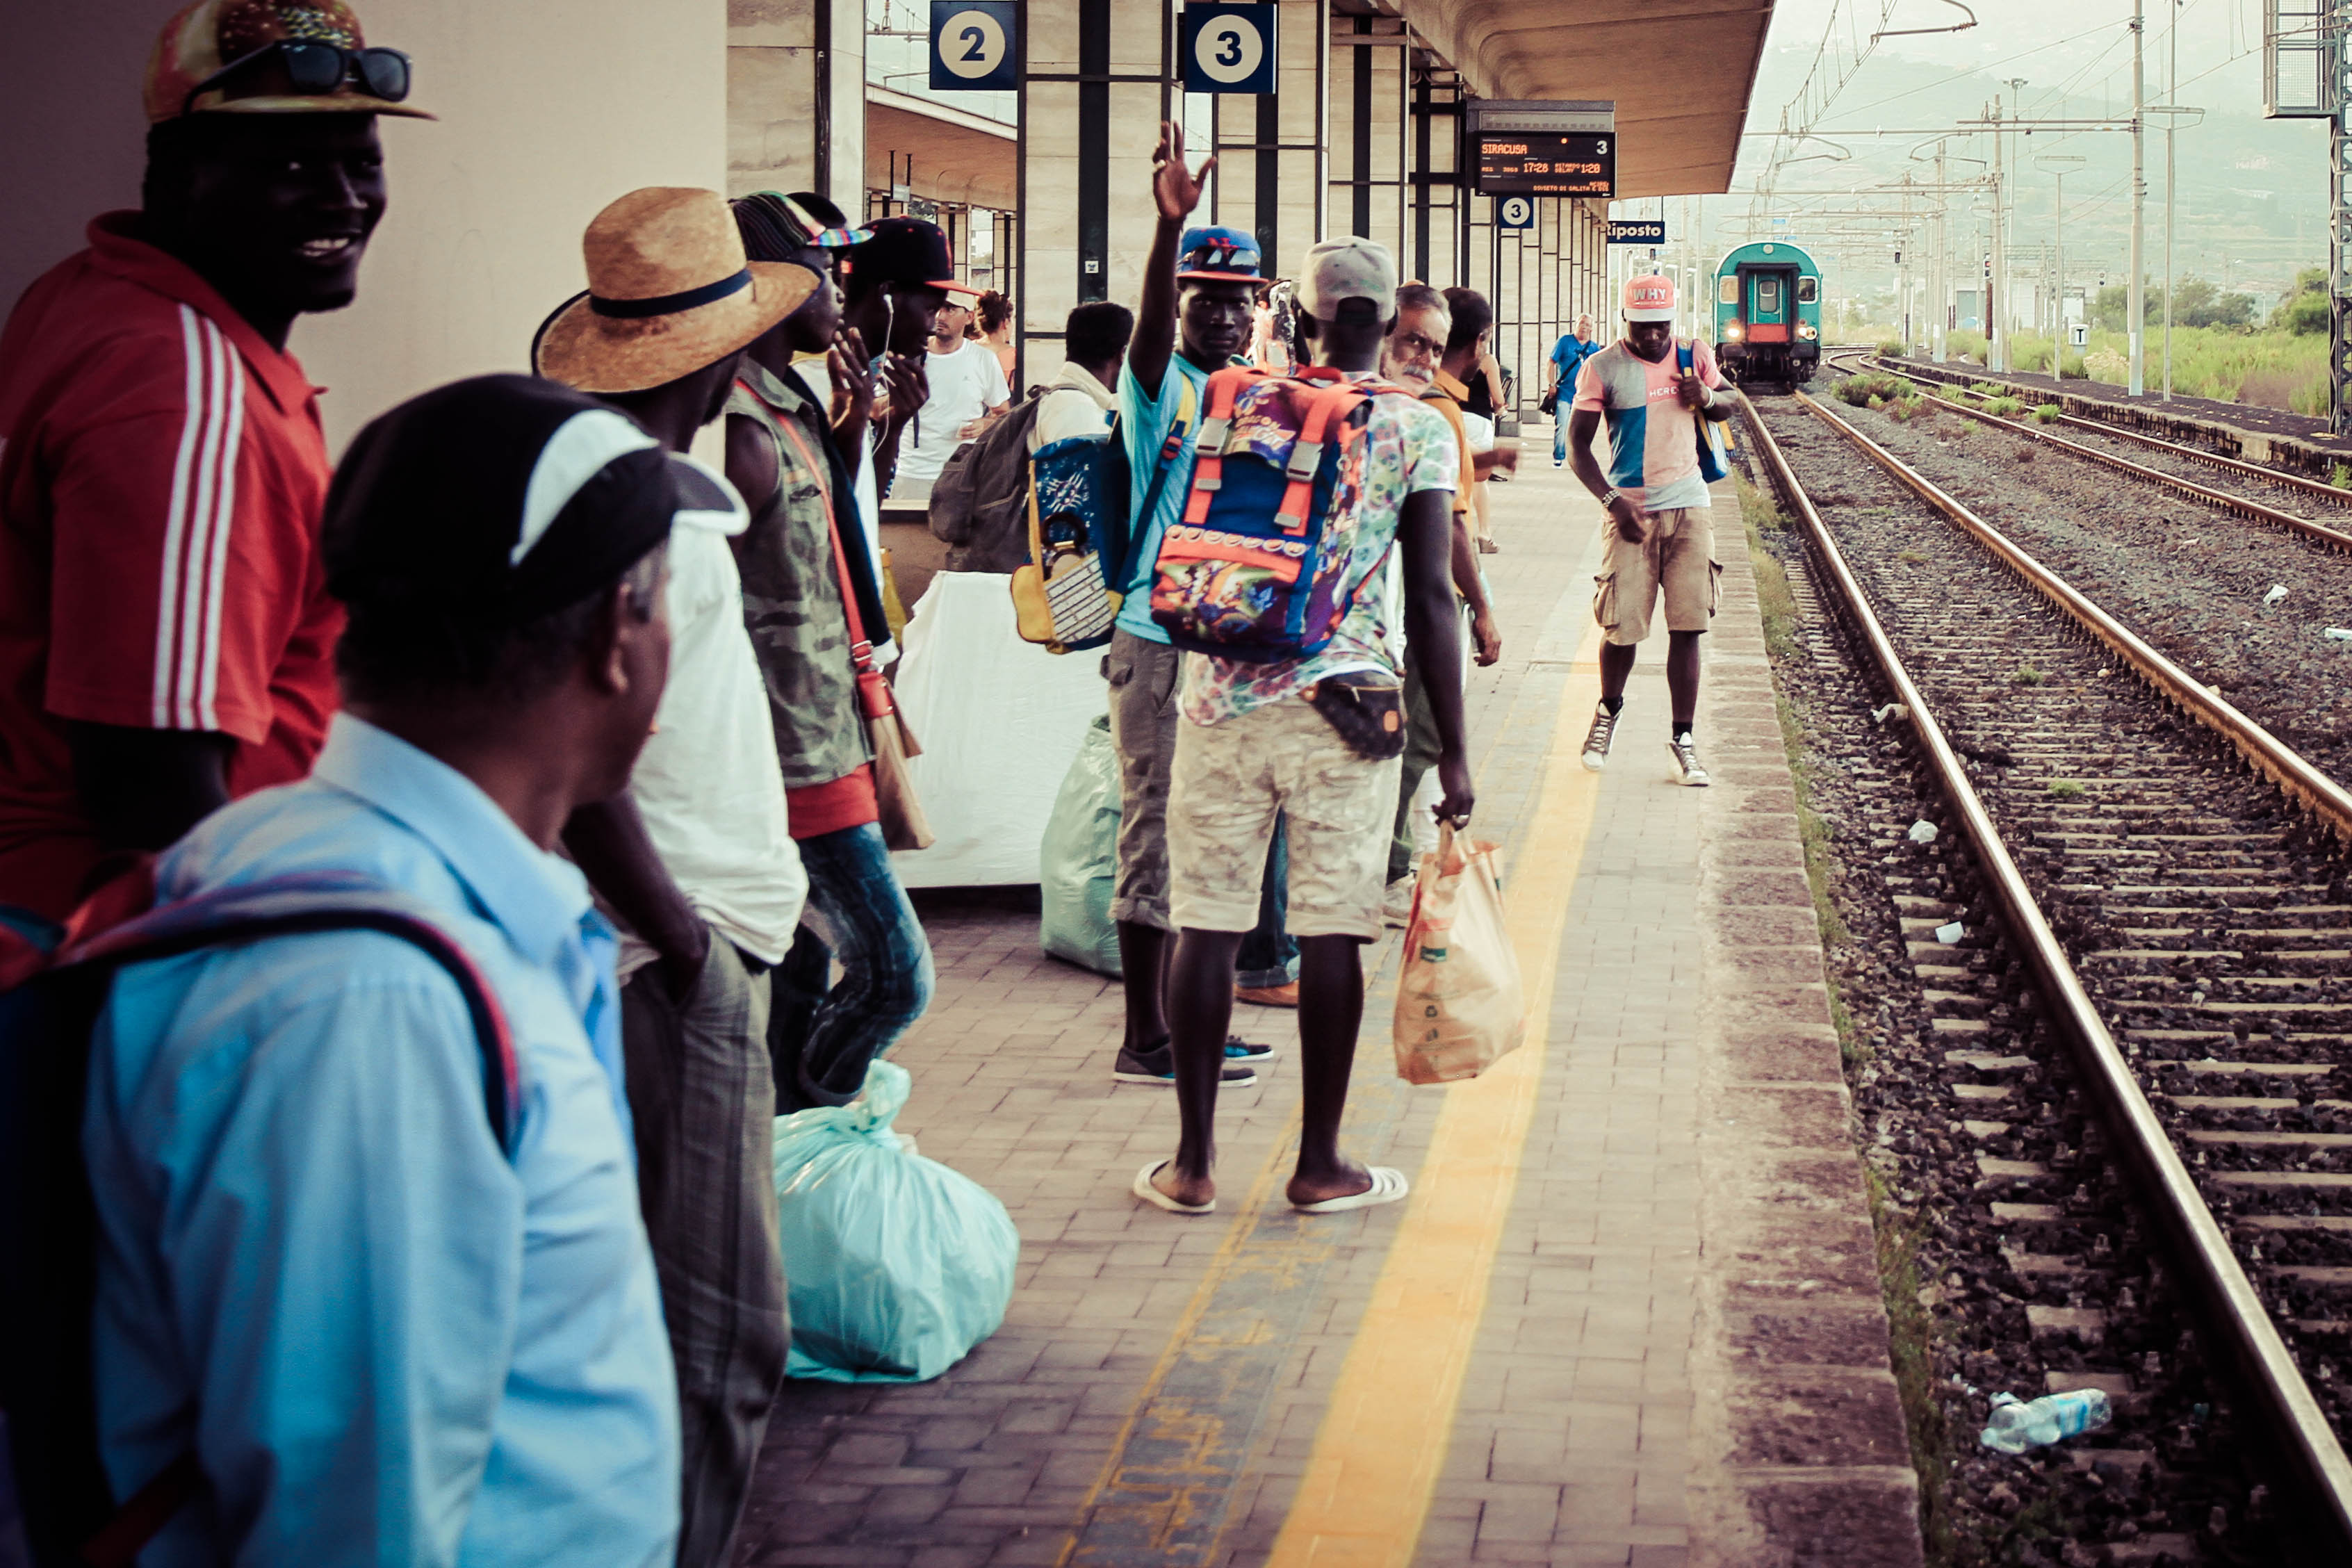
(363,1326)
(794,465)
(164,639)
(695,857)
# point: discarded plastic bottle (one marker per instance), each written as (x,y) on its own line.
(2013,1428)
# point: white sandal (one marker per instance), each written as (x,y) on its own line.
(1144,1189)
(1388,1186)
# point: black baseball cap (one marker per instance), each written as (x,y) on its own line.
(502,499)
(904,250)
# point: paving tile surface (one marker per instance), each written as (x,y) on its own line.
(1160,1383)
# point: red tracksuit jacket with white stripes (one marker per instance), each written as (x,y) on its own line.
(162,477)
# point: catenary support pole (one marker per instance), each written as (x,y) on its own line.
(2137,294)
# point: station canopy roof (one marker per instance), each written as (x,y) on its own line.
(1680,71)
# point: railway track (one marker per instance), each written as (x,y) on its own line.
(2308,491)
(2172,885)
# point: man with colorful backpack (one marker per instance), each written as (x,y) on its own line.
(1660,400)
(1277,584)
(1200,289)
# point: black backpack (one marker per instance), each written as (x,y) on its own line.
(53,984)
(980,502)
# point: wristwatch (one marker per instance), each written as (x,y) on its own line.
(1608,498)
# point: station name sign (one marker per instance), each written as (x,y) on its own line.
(1543,147)
(1636,231)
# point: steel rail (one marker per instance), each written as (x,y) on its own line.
(2327,800)
(2285,1415)
(2334,538)
(2238,466)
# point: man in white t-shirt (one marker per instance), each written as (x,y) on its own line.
(695,857)
(966,382)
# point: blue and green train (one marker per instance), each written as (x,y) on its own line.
(1768,314)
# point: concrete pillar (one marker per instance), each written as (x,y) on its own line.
(1436,246)
(1368,131)
(1095,87)
(796,98)
(1273,150)
(540,126)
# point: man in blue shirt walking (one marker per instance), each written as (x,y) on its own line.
(382,1336)
(1567,356)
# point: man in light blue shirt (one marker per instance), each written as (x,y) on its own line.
(384,1337)
(1567,356)
(1198,308)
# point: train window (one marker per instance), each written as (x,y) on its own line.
(1809,290)
(1768,294)
(1728,289)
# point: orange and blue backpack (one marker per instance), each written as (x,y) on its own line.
(1255,570)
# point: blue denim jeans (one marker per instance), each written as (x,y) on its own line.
(822,1036)
(1269,955)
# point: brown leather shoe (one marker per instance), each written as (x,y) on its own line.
(1268,996)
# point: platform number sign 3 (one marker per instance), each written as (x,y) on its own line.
(1514,211)
(1228,48)
(974,45)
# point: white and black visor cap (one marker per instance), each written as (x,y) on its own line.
(500,498)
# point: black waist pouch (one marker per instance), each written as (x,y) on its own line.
(1367,707)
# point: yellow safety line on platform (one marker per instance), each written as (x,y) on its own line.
(1367,1489)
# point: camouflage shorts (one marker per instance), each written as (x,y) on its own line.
(1230,781)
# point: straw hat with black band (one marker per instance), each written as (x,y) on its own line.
(669,292)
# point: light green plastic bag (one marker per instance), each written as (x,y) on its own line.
(1078,860)
(895,1265)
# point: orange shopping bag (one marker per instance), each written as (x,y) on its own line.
(1458,1009)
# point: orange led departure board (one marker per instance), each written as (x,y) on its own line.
(1546,164)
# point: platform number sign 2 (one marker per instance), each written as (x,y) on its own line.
(975,45)
(1228,48)
(1514,211)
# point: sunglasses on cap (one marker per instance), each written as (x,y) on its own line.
(318,70)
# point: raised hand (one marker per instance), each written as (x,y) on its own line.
(1174,186)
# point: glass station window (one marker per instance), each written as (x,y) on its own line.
(1727,289)
(1768,294)
(1809,290)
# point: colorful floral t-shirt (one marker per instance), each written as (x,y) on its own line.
(1407,446)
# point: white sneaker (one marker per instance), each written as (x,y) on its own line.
(1687,767)
(1597,738)
(1396,904)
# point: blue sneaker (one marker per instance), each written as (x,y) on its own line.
(1240,1051)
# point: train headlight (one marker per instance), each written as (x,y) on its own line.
(1731,330)
(1808,331)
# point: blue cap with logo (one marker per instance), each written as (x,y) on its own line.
(1217,255)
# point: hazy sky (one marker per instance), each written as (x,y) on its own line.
(2081,51)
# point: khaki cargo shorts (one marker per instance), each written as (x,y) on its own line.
(1339,812)
(1678,556)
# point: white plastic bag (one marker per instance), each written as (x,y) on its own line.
(895,1265)
(1458,1009)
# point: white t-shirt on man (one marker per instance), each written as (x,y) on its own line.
(706,783)
(965,384)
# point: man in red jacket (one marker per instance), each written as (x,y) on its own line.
(166,640)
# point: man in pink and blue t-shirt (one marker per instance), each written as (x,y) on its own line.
(1662,540)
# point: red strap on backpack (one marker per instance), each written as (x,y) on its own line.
(873,697)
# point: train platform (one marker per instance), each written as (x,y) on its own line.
(1629,1315)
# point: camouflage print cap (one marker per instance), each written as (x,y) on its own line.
(209,37)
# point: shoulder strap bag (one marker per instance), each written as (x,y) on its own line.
(904,826)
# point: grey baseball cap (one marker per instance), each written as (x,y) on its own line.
(1342,269)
